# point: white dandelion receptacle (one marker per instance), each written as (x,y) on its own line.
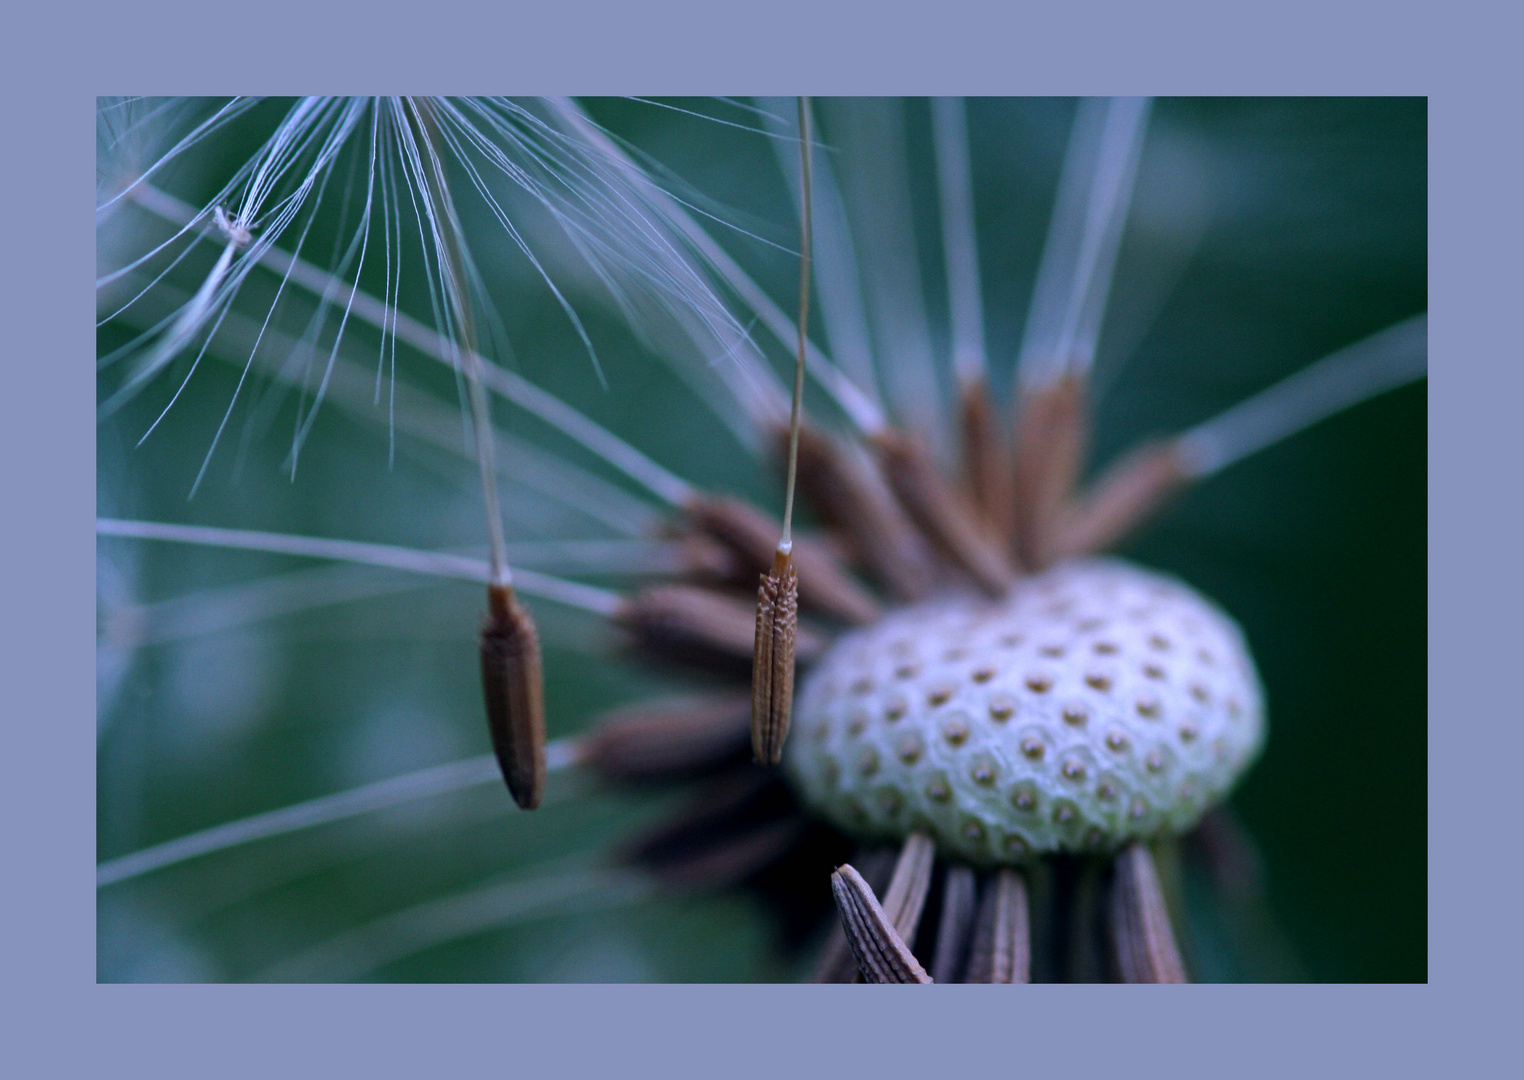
(1099,703)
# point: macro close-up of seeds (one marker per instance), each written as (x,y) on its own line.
(771,539)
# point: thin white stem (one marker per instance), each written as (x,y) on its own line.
(960,246)
(187,323)
(275,596)
(1084,235)
(786,540)
(858,406)
(438,564)
(422,416)
(369,309)
(833,259)
(453,258)
(1385,360)
(875,175)
(366,799)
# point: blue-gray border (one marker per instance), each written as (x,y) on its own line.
(60,1022)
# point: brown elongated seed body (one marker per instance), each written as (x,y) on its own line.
(986,471)
(1123,498)
(837,964)
(882,955)
(772,666)
(752,536)
(667,740)
(941,513)
(860,508)
(905,898)
(1144,940)
(514,687)
(1051,435)
(1002,949)
(955,928)
(700,626)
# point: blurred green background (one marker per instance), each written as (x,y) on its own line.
(1267,233)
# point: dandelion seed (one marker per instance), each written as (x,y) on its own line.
(983,612)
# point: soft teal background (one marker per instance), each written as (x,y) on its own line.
(1315,237)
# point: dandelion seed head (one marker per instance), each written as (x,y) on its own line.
(1074,745)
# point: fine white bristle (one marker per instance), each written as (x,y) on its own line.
(434,563)
(960,247)
(1385,360)
(835,263)
(1074,278)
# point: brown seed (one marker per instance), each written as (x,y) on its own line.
(701,626)
(1001,950)
(1145,943)
(955,928)
(1050,445)
(1124,497)
(772,672)
(837,964)
(905,898)
(665,740)
(847,493)
(514,687)
(943,516)
(984,470)
(882,955)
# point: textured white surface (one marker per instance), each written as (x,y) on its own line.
(1099,702)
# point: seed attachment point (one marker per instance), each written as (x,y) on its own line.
(514,686)
(772,672)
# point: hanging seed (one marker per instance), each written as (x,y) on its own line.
(837,964)
(515,694)
(1002,946)
(882,955)
(1145,942)
(905,898)
(955,928)
(772,669)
